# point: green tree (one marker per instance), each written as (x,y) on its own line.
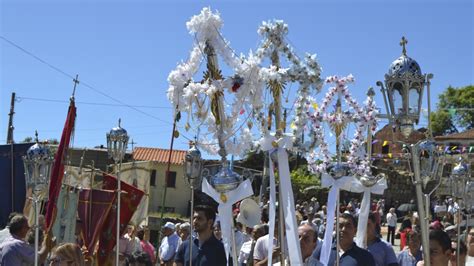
(27,140)
(305,184)
(455,111)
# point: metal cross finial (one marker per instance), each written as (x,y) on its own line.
(36,136)
(403,43)
(76,81)
(120,120)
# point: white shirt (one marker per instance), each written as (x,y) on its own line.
(4,234)
(261,247)
(322,215)
(245,252)
(453,208)
(240,239)
(134,243)
(125,247)
(469,260)
(392,219)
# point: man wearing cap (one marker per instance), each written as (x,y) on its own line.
(169,244)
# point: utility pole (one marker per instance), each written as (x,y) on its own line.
(10,120)
(12,160)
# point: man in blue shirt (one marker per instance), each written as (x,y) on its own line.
(15,251)
(350,253)
(206,249)
(169,244)
(381,251)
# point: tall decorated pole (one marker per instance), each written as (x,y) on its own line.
(337,174)
(57,171)
(334,175)
(224,121)
(117,141)
(402,90)
(307,75)
(360,159)
(37,161)
(461,188)
(193,174)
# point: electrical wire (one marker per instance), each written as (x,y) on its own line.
(20,98)
(85,84)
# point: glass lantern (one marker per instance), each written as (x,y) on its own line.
(459,178)
(193,165)
(38,162)
(117,141)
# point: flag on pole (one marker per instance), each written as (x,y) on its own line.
(129,200)
(57,171)
(93,214)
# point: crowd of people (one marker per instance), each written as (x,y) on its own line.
(252,242)
(203,245)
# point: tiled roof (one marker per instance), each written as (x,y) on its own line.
(159,155)
(466,135)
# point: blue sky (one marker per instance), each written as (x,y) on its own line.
(126,49)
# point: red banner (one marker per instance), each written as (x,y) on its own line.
(129,200)
(57,171)
(94,215)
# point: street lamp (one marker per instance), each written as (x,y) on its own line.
(403,94)
(459,177)
(117,140)
(193,168)
(459,189)
(404,84)
(37,162)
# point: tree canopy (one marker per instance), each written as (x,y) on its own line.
(455,111)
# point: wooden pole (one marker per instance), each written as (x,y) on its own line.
(10,141)
(166,181)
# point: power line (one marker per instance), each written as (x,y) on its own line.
(19,99)
(57,69)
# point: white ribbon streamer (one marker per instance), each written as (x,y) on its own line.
(286,204)
(358,187)
(244,190)
(288,207)
(271,212)
(336,185)
(363,218)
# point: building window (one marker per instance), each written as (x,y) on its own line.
(171,180)
(386,149)
(153,178)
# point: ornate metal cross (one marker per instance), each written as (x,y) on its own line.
(403,43)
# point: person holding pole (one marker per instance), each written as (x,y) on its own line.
(206,249)
(15,251)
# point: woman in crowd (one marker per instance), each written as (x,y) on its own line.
(148,250)
(404,228)
(67,254)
